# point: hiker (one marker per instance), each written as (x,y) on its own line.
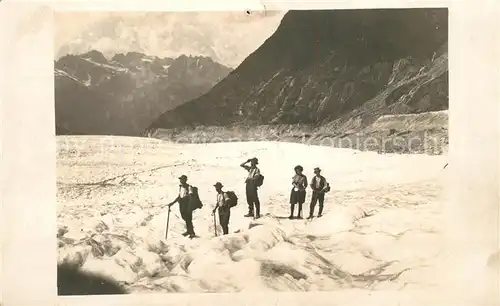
(251,187)
(185,191)
(319,187)
(223,206)
(298,193)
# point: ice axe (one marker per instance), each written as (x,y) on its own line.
(168,219)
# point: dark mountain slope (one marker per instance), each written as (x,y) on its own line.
(124,95)
(328,68)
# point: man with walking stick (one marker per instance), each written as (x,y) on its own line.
(185,191)
(224,209)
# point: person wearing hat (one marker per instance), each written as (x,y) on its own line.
(185,190)
(223,206)
(298,193)
(251,188)
(318,185)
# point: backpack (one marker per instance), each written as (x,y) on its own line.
(233,199)
(194,199)
(259,180)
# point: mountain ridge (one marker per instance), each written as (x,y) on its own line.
(337,67)
(123,95)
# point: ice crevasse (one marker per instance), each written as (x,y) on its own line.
(265,254)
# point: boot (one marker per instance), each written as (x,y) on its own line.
(311,212)
(292,208)
(185,234)
(257,210)
(250,211)
(190,229)
(320,213)
(192,234)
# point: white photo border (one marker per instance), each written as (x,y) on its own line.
(28,196)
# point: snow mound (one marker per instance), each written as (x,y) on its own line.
(380,228)
(267,254)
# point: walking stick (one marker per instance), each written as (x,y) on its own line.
(215,226)
(168,219)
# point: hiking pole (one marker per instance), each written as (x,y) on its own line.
(168,219)
(215,226)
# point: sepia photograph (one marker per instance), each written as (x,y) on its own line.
(251,151)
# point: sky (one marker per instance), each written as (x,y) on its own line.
(226,37)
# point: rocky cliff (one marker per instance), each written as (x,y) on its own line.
(337,71)
(122,96)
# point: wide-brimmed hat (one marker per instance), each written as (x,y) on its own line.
(255,160)
(218,184)
(317,169)
(298,167)
(183,177)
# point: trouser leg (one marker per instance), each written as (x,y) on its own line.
(224,221)
(314,200)
(257,203)
(190,226)
(253,200)
(321,199)
(184,218)
(250,199)
(187,215)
